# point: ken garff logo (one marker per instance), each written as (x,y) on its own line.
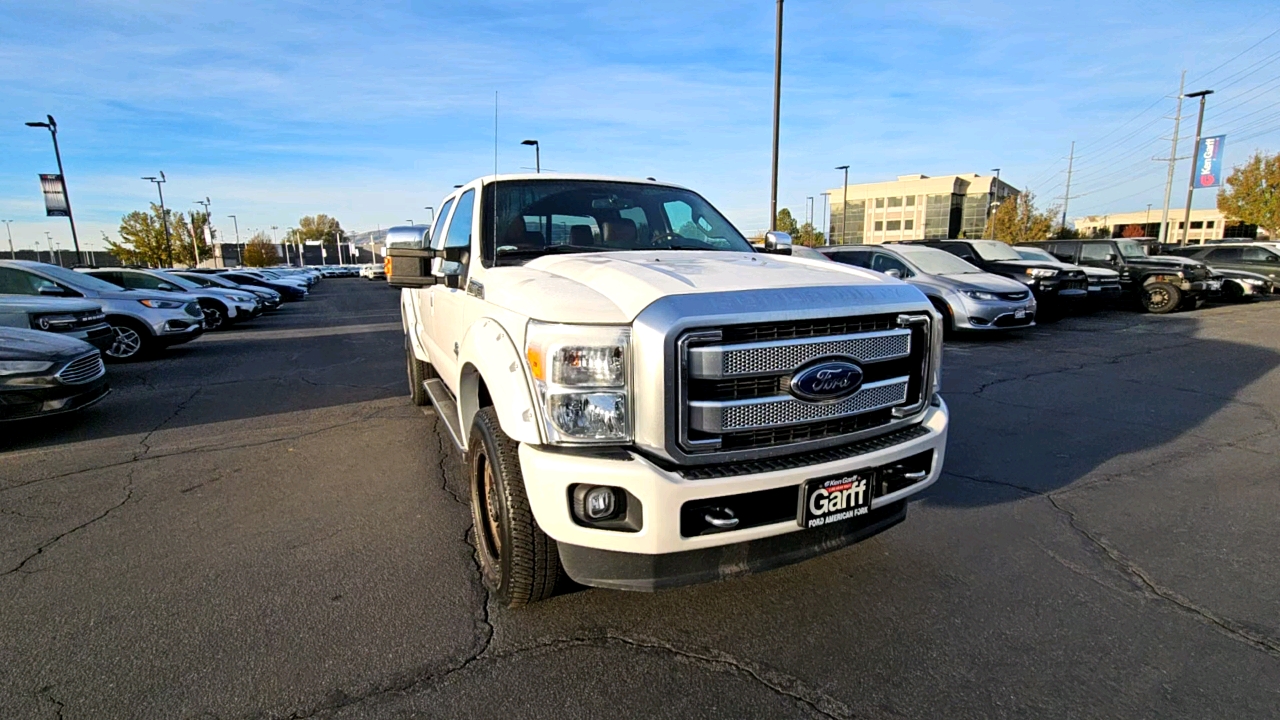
(826,380)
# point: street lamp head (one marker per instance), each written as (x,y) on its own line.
(152,178)
(1201,93)
(842,167)
(162,178)
(528,142)
(37,124)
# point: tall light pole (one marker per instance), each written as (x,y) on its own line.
(9,228)
(208,222)
(826,217)
(537,154)
(777,111)
(239,249)
(808,215)
(1195,148)
(1163,235)
(164,216)
(432,221)
(993,204)
(1145,229)
(52,126)
(844,205)
(48,238)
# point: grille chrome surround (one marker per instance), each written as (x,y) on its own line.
(82,370)
(780,410)
(780,356)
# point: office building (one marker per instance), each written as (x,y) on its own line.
(1205,225)
(915,207)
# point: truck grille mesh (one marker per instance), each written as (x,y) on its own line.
(788,357)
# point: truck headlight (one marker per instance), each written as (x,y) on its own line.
(581,376)
(1042,272)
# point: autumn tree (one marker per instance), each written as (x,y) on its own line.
(1133,231)
(1252,193)
(1018,220)
(143,240)
(261,252)
(318,228)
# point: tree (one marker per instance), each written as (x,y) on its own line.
(143,239)
(261,252)
(318,228)
(1252,194)
(810,236)
(186,229)
(1018,220)
(1133,231)
(787,223)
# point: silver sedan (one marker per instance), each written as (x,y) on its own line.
(967,297)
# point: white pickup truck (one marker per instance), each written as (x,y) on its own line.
(644,400)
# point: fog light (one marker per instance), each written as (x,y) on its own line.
(596,503)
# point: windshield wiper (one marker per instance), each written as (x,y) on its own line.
(548,250)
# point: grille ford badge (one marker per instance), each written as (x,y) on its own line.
(826,380)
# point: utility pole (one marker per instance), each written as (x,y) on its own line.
(1195,148)
(1147,222)
(8,227)
(164,216)
(808,216)
(208,219)
(239,249)
(826,217)
(1173,162)
(1066,196)
(777,110)
(992,204)
(844,206)
(52,126)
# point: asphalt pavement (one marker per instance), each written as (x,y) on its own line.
(259,525)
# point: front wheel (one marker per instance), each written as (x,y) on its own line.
(519,562)
(1161,298)
(418,373)
(215,318)
(129,342)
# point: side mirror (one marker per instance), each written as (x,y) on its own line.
(409,268)
(1112,258)
(894,273)
(51,289)
(777,243)
(166,287)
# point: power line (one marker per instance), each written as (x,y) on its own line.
(1237,56)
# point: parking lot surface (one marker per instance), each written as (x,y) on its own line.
(259,525)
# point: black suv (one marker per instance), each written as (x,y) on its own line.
(1054,286)
(1161,283)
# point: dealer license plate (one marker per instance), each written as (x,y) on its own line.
(829,500)
(1019,314)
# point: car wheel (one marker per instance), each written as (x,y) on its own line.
(948,317)
(418,372)
(520,563)
(215,318)
(131,342)
(1161,298)
(1233,291)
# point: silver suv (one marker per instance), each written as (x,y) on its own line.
(142,320)
(220,307)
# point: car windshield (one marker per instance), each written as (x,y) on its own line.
(994,250)
(1035,254)
(932,261)
(543,217)
(1131,249)
(181,281)
(79,280)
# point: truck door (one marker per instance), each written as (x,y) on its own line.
(449,304)
(421,297)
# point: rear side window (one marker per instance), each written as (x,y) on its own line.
(852,257)
(460,226)
(1095,251)
(1224,255)
(1257,254)
(883,263)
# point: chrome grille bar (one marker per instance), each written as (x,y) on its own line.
(780,356)
(778,410)
(82,370)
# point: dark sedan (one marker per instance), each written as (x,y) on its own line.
(44,374)
(288,292)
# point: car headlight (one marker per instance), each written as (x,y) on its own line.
(162,304)
(1042,272)
(1253,281)
(581,375)
(242,298)
(17,367)
(980,295)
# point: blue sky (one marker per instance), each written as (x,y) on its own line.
(372,111)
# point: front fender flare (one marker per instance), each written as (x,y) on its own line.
(488,355)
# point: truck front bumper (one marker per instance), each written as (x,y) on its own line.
(666,551)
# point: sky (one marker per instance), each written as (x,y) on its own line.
(372,111)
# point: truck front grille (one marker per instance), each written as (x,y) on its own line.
(734,381)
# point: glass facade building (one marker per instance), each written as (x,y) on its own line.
(916,207)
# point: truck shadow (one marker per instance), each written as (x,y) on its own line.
(1043,409)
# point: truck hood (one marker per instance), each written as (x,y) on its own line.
(613,287)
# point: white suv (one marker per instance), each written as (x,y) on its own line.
(645,401)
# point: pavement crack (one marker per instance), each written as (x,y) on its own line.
(128,495)
(145,441)
(46,693)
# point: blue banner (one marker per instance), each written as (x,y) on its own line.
(1209,161)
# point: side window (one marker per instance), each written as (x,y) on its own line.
(16,282)
(1064,251)
(883,263)
(460,226)
(1094,252)
(961,251)
(1259,255)
(437,237)
(115,278)
(1224,255)
(852,257)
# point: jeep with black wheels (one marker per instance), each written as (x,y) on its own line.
(641,399)
(1160,283)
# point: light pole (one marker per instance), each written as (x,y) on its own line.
(777,111)
(52,127)
(239,250)
(208,219)
(48,239)
(826,217)
(844,205)
(995,194)
(432,221)
(1191,183)
(9,228)
(808,215)
(1145,229)
(537,154)
(164,216)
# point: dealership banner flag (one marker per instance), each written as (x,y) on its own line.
(55,198)
(1209,161)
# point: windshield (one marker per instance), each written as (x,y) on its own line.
(537,218)
(1131,249)
(75,279)
(1035,254)
(992,250)
(181,282)
(932,261)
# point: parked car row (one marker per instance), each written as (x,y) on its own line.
(990,285)
(57,325)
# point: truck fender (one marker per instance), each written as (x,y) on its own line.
(489,357)
(409,323)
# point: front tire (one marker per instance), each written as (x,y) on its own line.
(418,373)
(131,341)
(1161,298)
(215,316)
(519,562)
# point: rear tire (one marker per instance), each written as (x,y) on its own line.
(131,342)
(1161,298)
(520,563)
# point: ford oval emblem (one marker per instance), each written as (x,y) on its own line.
(826,380)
